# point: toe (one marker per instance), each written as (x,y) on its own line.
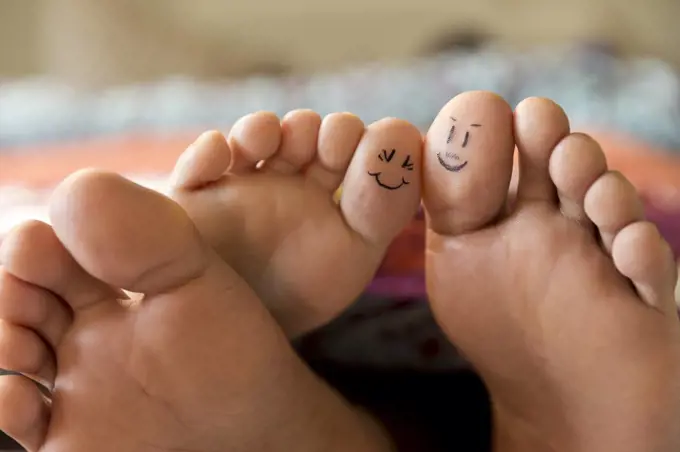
(539,125)
(299,136)
(612,203)
(381,191)
(144,242)
(252,139)
(338,138)
(141,240)
(21,350)
(468,163)
(642,255)
(33,253)
(576,163)
(32,307)
(23,412)
(203,162)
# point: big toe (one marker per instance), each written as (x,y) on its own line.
(381,190)
(467,163)
(139,240)
(126,235)
(197,312)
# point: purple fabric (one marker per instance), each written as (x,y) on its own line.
(669,225)
(413,285)
(404,286)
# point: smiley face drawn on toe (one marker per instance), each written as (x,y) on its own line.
(448,167)
(383,185)
(467,164)
(444,160)
(387,157)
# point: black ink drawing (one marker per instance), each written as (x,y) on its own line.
(449,138)
(449,167)
(384,156)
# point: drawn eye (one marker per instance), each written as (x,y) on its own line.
(466,139)
(384,156)
(448,139)
(407,163)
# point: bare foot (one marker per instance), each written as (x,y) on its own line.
(563,302)
(276,222)
(196,364)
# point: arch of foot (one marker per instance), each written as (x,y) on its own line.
(467,162)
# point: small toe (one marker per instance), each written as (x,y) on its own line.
(576,163)
(612,203)
(643,256)
(540,124)
(299,136)
(24,413)
(252,139)
(141,241)
(30,306)
(339,137)
(203,162)
(33,253)
(467,163)
(381,190)
(23,351)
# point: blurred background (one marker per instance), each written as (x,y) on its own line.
(125,85)
(120,41)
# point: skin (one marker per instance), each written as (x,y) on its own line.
(398,170)
(468,150)
(577,337)
(317,242)
(563,301)
(197,364)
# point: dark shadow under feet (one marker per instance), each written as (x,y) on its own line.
(425,412)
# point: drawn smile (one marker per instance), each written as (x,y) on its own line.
(376,176)
(448,167)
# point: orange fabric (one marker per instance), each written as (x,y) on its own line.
(45,166)
(646,167)
(655,172)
